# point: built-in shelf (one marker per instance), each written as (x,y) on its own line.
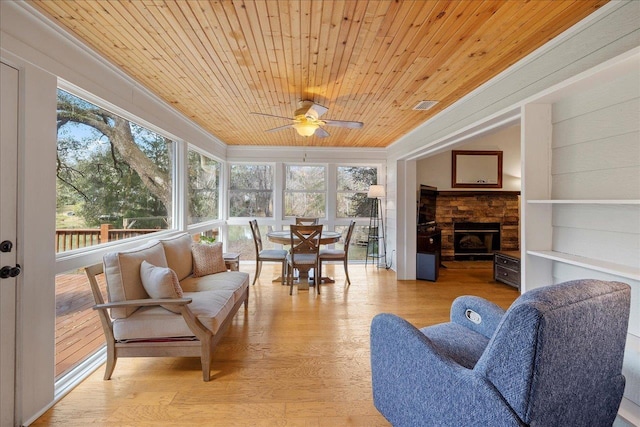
(585,202)
(590,263)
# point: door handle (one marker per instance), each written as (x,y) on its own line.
(6,271)
(6,246)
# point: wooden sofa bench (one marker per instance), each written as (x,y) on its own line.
(136,325)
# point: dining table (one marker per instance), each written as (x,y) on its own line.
(284,238)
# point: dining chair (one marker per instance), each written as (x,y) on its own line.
(306,221)
(269,255)
(305,244)
(338,254)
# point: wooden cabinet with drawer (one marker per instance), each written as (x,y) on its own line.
(506,268)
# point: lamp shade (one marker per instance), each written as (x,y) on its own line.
(375,191)
(305,128)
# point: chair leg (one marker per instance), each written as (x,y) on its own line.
(283,273)
(111,360)
(205,359)
(290,278)
(318,277)
(346,271)
(258,270)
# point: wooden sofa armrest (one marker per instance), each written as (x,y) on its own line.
(143,303)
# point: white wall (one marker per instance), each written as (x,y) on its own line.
(436,170)
(596,155)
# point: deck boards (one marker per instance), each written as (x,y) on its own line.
(78,330)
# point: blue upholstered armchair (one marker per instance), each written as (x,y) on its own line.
(554,358)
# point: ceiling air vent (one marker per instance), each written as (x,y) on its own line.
(424,105)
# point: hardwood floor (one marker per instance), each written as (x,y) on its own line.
(300,360)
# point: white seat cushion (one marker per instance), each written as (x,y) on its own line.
(275,254)
(303,259)
(234,281)
(210,307)
(331,254)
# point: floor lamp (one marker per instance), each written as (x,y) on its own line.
(376,245)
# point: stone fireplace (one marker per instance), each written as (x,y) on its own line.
(486,220)
(475,240)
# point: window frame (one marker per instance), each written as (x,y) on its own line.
(325,191)
(338,192)
(274,185)
(81,257)
(199,226)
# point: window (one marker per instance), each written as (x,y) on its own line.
(250,190)
(113,176)
(353,183)
(305,191)
(203,187)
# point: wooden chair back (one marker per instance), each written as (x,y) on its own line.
(306,221)
(305,239)
(347,239)
(257,239)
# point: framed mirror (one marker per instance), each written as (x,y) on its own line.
(476,169)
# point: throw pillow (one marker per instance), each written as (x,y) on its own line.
(207,259)
(160,282)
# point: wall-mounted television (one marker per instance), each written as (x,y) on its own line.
(427,205)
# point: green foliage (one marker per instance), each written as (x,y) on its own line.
(94,175)
(208,240)
(204,179)
(250,193)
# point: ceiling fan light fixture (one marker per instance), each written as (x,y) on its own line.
(305,128)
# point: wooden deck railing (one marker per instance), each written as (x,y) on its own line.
(69,239)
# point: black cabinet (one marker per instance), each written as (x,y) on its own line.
(428,256)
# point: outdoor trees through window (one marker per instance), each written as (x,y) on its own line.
(203,187)
(109,171)
(353,183)
(305,191)
(251,190)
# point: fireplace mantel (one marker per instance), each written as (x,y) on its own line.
(478,193)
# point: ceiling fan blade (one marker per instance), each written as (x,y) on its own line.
(319,109)
(344,124)
(321,133)
(278,128)
(271,115)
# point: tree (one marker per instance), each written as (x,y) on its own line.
(204,177)
(117,168)
(353,182)
(250,191)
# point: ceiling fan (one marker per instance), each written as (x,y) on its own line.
(306,120)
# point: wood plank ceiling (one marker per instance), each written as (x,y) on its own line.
(369,61)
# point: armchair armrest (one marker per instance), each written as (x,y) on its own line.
(477,314)
(143,303)
(414,384)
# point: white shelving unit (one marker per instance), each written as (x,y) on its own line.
(578,140)
(590,263)
(620,270)
(580,213)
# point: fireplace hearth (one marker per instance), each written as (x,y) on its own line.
(475,240)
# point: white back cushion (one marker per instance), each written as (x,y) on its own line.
(177,250)
(122,272)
